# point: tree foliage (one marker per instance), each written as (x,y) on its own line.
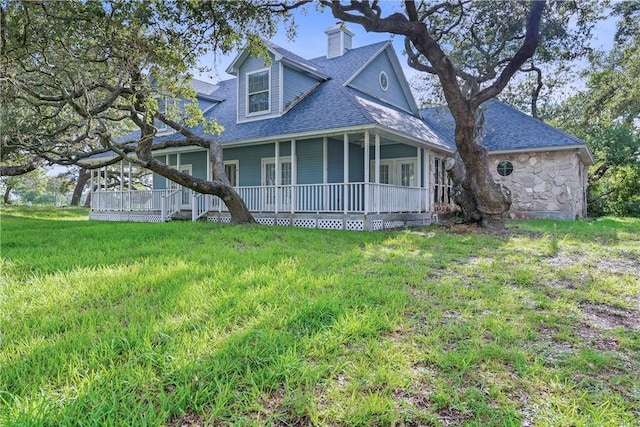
(75,70)
(606,115)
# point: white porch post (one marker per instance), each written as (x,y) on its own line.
(366,172)
(427,180)
(346,172)
(325,172)
(166,180)
(277,172)
(91,192)
(419,176)
(294,175)
(377,171)
(130,185)
(121,185)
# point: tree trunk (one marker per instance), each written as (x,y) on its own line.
(475,191)
(83,177)
(220,185)
(87,201)
(7,193)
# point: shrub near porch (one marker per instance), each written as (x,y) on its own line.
(201,323)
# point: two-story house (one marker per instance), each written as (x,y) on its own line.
(338,142)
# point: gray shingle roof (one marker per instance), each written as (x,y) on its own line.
(331,105)
(506,129)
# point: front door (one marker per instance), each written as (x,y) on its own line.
(185,196)
(269,180)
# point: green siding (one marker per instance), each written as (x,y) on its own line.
(309,156)
(396,151)
(335,161)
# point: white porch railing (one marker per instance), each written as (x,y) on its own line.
(140,200)
(170,203)
(329,198)
(348,198)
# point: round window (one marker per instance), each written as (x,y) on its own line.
(384,81)
(505,168)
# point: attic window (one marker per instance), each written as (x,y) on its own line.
(384,81)
(258,92)
(505,168)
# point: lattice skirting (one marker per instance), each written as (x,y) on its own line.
(125,216)
(352,222)
(330,224)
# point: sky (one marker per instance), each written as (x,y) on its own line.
(311,41)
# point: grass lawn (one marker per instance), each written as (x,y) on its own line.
(186,324)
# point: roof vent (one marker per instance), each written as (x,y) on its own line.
(338,40)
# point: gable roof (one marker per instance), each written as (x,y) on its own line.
(395,63)
(280,54)
(330,106)
(508,129)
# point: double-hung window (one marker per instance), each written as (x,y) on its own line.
(258,92)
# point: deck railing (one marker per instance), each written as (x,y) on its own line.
(139,200)
(336,198)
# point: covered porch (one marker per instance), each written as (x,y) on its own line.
(378,177)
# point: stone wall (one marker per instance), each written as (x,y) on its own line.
(548,184)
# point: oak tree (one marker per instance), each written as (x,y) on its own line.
(474,48)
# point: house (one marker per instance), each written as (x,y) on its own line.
(338,142)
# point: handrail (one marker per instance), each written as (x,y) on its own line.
(169,204)
(200,204)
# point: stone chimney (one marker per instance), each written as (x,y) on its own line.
(338,40)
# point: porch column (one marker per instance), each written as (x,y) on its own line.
(325,173)
(277,172)
(366,172)
(91,188)
(166,180)
(377,171)
(419,176)
(294,175)
(121,185)
(427,180)
(130,185)
(346,173)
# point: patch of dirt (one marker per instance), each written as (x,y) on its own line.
(187,420)
(620,267)
(453,417)
(595,339)
(606,317)
(561,261)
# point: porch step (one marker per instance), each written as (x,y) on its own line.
(181,216)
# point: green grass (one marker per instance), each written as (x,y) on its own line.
(205,324)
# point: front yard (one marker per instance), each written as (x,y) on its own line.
(186,324)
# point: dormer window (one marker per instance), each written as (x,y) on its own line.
(258,92)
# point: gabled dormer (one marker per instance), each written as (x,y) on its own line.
(382,78)
(268,88)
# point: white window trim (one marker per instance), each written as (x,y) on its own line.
(382,73)
(237,164)
(395,171)
(268,110)
(272,160)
